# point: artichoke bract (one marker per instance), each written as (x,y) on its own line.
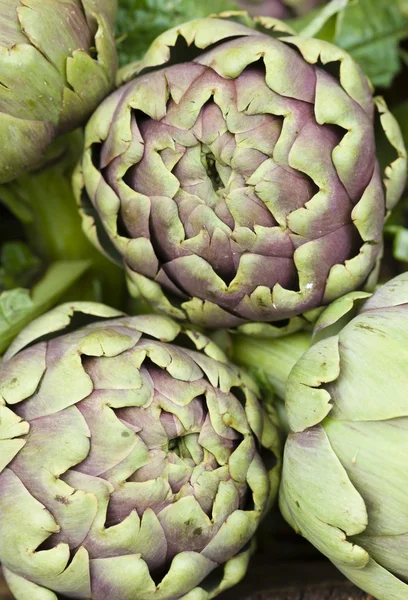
(130,467)
(236,178)
(344,480)
(57,62)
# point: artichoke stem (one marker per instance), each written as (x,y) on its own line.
(270,360)
(53,227)
(44,202)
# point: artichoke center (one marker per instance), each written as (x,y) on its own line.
(178,447)
(210,164)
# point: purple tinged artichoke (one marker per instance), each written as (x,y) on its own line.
(266,8)
(130,467)
(344,480)
(235,177)
(57,62)
(280,9)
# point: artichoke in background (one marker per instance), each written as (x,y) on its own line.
(130,467)
(344,481)
(267,8)
(280,9)
(57,62)
(235,175)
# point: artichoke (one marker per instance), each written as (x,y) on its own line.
(236,178)
(130,467)
(57,62)
(344,480)
(279,9)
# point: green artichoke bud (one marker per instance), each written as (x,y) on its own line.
(344,481)
(236,178)
(57,62)
(130,467)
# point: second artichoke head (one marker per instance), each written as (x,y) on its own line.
(130,466)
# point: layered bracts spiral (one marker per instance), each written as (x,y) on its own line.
(240,186)
(130,467)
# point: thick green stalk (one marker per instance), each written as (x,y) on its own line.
(54,231)
(44,202)
(271,360)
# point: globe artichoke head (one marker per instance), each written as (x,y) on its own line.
(130,467)
(344,481)
(236,178)
(57,62)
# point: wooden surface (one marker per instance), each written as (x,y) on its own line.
(4,593)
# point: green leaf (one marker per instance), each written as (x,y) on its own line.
(371,30)
(19,306)
(321,23)
(139,22)
(19,267)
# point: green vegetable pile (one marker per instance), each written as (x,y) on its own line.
(203,292)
